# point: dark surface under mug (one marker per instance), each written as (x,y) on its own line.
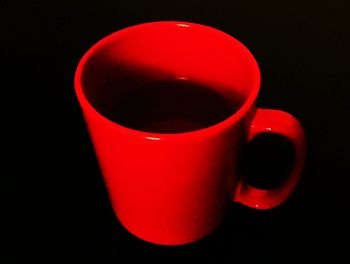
(55,200)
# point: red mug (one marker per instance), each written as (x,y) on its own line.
(174,188)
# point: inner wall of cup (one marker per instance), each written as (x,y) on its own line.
(157,52)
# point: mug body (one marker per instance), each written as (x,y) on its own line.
(168,188)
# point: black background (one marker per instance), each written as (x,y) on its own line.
(55,204)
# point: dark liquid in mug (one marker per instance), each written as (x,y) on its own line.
(172,106)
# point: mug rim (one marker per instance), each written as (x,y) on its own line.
(219,126)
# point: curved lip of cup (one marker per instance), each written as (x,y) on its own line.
(165,136)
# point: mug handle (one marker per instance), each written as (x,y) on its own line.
(286,125)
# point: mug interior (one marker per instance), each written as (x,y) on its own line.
(162,51)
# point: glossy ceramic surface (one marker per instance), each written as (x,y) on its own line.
(173,189)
